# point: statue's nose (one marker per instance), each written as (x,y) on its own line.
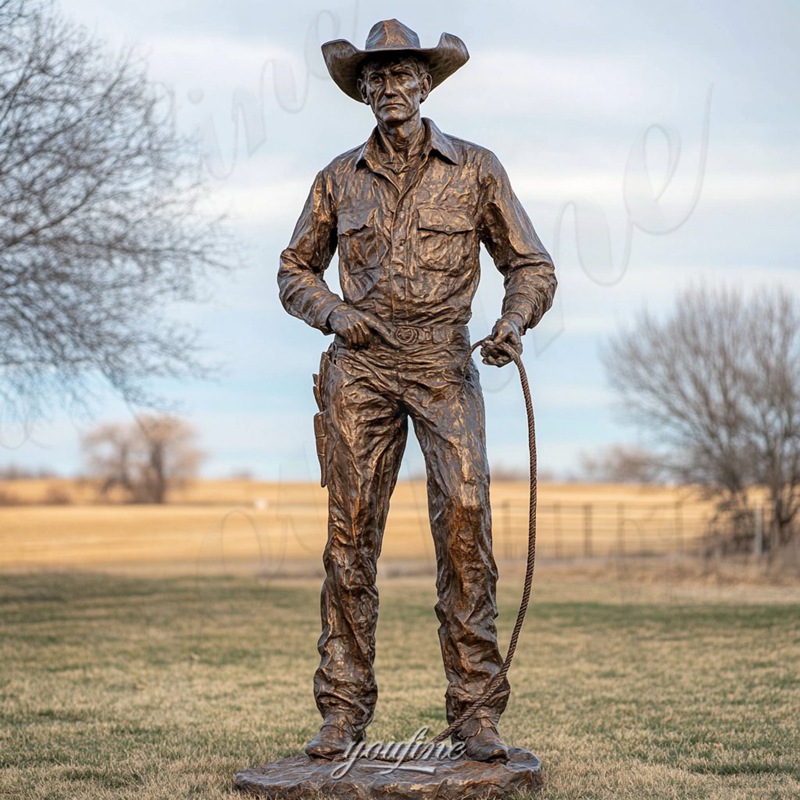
(390,85)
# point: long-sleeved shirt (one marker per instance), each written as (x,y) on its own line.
(409,251)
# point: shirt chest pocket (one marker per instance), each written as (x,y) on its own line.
(445,237)
(357,240)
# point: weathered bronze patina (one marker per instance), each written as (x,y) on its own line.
(303,778)
(407,211)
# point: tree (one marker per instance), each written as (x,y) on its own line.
(107,450)
(621,464)
(718,382)
(169,456)
(143,459)
(100,227)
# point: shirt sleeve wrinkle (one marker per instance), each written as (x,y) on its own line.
(508,235)
(302,288)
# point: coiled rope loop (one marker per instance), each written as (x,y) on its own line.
(498,679)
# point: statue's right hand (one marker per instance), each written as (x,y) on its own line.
(357,327)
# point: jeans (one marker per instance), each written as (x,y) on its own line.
(368,396)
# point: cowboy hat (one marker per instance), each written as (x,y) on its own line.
(390,36)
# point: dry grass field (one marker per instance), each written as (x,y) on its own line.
(279,528)
(150,652)
(630,685)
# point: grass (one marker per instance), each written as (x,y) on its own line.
(627,687)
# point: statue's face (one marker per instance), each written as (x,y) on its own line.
(394,89)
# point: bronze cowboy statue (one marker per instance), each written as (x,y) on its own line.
(408,211)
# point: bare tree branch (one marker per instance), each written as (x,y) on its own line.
(100,222)
(142,459)
(719,383)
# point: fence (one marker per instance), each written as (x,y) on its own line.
(573,530)
(586,523)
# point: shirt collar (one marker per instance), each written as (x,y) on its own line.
(435,142)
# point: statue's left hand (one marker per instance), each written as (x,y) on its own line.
(505,335)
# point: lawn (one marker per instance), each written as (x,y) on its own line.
(626,686)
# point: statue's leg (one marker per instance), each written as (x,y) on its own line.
(450,425)
(367,431)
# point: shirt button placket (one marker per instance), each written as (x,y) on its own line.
(399,267)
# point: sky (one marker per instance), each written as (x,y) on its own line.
(654,146)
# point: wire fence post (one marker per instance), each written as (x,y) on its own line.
(557,528)
(758,531)
(587,530)
(679,527)
(506,513)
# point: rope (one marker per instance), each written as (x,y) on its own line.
(497,680)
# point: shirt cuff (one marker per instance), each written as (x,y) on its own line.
(323,314)
(521,311)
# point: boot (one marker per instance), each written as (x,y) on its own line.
(335,737)
(483,742)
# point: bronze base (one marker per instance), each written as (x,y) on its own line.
(303,778)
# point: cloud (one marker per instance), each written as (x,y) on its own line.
(561,92)
(525,82)
(273,203)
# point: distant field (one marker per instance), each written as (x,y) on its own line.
(277,528)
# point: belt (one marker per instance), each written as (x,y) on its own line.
(438,334)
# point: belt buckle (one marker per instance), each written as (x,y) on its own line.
(405,334)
